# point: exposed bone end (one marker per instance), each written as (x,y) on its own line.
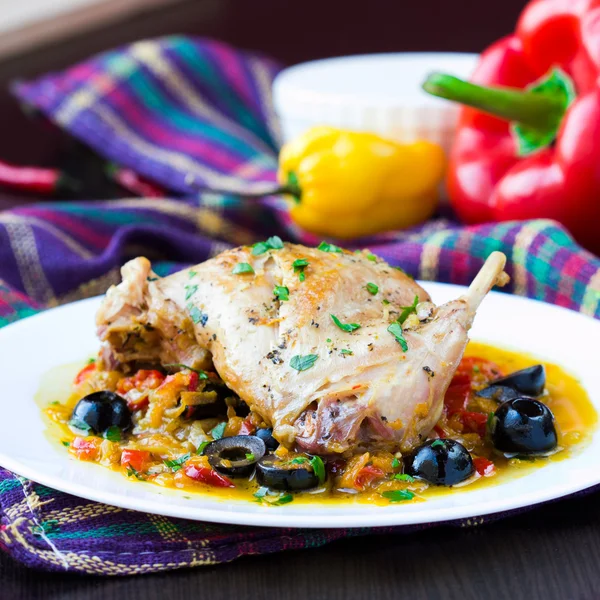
(491,274)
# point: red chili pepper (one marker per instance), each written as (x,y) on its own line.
(135,458)
(475,422)
(440,432)
(84,373)
(206,475)
(484,466)
(367,475)
(457,396)
(194,379)
(538,156)
(38,180)
(135,183)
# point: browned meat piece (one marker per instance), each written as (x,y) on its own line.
(362,387)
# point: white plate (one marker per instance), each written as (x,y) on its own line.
(32,347)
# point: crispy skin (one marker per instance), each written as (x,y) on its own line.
(377,395)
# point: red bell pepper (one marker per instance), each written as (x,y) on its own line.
(528,142)
(207,476)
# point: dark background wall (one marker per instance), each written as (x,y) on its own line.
(291,31)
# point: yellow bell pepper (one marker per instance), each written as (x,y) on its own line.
(350,184)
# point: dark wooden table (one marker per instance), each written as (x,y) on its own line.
(549,553)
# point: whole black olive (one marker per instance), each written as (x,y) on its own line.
(524,426)
(440,462)
(528,382)
(266,435)
(97,412)
(235,456)
(286,475)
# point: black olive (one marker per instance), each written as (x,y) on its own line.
(235,456)
(523,426)
(285,475)
(266,435)
(499,393)
(98,411)
(528,382)
(211,405)
(441,462)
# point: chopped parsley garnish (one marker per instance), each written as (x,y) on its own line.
(396,330)
(190,290)
(476,369)
(490,420)
(407,310)
(113,434)
(264,495)
(176,463)
(131,472)
(371,257)
(348,327)
(197,315)
(403,477)
(201,374)
(283,499)
(398,495)
(299,265)
(55,403)
(395,463)
(281,293)
(318,467)
(65,443)
(79,424)
(192,274)
(242,268)
(385,301)
(372,288)
(298,460)
(328,340)
(261,492)
(438,444)
(218,431)
(201,447)
(326,247)
(302,363)
(273,243)
(346,351)
(249,456)
(91,361)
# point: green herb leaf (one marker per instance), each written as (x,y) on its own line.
(91,361)
(197,315)
(261,492)
(490,421)
(176,463)
(438,444)
(54,403)
(113,434)
(249,456)
(371,257)
(284,499)
(403,477)
(345,351)
(316,462)
(299,460)
(398,495)
(242,268)
(201,374)
(273,243)
(190,290)
(80,425)
(407,310)
(326,247)
(218,431)
(385,301)
(302,363)
(201,447)
(328,340)
(281,293)
(192,274)
(395,463)
(396,330)
(131,472)
(65,443)
(476,369)
(348,327)
(299,265)
(372,288)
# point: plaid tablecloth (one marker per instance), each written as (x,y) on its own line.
(168,109)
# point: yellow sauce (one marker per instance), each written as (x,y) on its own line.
(575,416)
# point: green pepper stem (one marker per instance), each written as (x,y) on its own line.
(539,110)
